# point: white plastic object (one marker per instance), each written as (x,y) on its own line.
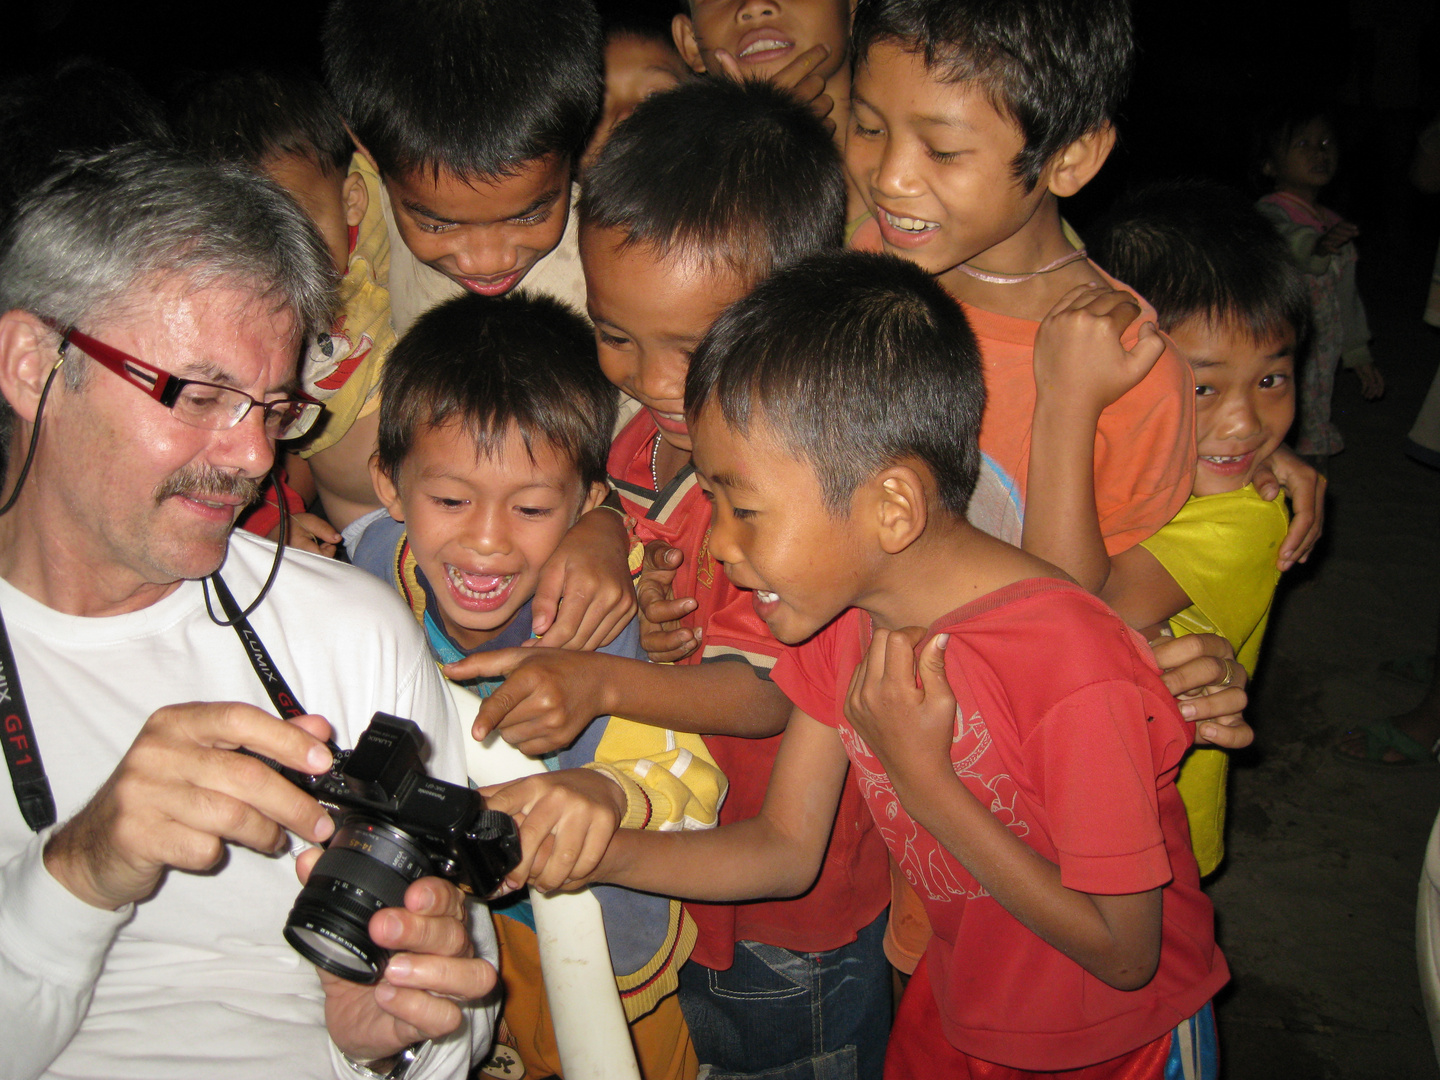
(590,1030)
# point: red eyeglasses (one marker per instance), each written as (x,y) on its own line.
(199,404)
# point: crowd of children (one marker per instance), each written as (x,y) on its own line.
(871,570)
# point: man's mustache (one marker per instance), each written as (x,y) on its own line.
(205,481)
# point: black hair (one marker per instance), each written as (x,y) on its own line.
(489,362)
(1197,250)
(854,362)
(649,23)
(1058,68)
(248,116)
(740,175)
(476,88)
(79,107)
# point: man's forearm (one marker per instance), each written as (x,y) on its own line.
(52,948)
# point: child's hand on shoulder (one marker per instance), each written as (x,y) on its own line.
(1079,360)
(903,707)
(1306,487)
(548,698)
(565,820)
(1209,685)
(661,635)
(584,597)
(309,532)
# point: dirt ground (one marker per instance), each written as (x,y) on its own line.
(1316,901)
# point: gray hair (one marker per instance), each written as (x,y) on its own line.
(82,242)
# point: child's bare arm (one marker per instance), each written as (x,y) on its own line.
(584,597)
(1141,590)
(777,853)
(1115,938)
(1080,369)
(550,695)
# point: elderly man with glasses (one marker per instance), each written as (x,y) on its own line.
(153,311)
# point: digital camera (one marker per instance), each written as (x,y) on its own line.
(393,824)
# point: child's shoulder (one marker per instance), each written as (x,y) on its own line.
(1045,638)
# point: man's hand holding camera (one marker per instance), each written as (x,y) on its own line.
(179,793)
(432,973)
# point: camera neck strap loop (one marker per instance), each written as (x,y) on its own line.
(22,751)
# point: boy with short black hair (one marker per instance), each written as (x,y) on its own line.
(1021,768)
(474,115)
(470,118)
(1227,293)
(494,426)
(289,128)
(969,121)
(699,195)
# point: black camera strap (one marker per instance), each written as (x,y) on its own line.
(286,703)
(22,751)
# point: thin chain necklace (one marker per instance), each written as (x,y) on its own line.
(1016,279)
(654,457)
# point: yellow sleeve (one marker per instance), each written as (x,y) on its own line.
(669,778)
(342,368)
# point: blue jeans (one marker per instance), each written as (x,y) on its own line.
(782,1015)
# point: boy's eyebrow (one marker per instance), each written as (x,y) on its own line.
(731,480)
(933,121)
(540,202)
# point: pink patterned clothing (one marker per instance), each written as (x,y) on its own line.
(1340,332)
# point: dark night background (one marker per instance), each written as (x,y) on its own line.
(1316,903)
(1204,70)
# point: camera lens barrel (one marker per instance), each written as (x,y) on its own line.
(367,866)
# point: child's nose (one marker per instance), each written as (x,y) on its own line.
(1239,420)
(486,254)
(487,533)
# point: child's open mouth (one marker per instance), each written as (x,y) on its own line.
(478,592)
(764,602)
(1228,465)
(902,231)
(762,46)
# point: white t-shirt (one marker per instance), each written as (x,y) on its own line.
(196,981)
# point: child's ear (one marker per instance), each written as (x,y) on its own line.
(27,356)
(1076,165)
(683,30)
(900,506)
(385,489)
(354,198)
(594,497)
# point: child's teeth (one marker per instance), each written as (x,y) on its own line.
(909,224)
(763,46)
(457,578)
(766,597)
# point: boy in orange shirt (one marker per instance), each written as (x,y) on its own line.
(968,124)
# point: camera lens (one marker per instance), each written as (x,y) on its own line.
(367,866)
